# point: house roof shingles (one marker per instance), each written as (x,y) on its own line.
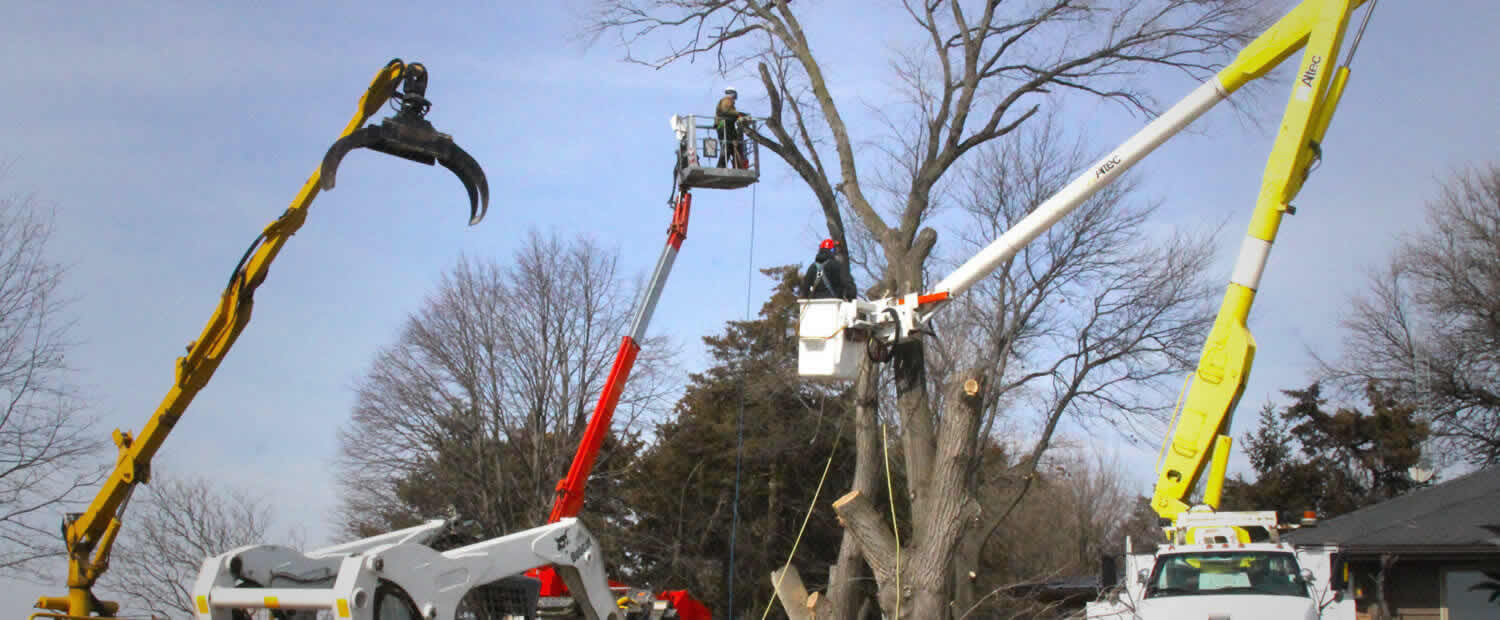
(1446,515)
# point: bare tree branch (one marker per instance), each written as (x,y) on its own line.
(46,451)
(1428,329)
(177,524)
(1080,322)
(482,401)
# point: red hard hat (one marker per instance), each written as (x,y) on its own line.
(828,244)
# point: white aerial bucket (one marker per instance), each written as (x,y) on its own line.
(825,350)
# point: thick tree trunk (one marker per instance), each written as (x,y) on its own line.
(909,365)
(917,576)
(927,599)
(847,593)
(847,588)
(909,371)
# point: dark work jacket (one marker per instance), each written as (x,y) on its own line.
(828,277)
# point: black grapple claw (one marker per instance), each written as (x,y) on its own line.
(410,136)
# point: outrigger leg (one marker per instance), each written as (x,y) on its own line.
(410,136)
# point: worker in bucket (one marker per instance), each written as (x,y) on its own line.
(828,276)
(727,122)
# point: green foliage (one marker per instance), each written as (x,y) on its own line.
(1306,458)
(681,489)
(468,460)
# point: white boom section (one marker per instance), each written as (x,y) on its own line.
(398,577)
(825,350)
(643,312)
(1102,173)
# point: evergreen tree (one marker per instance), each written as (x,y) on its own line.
(1306,458)
(681,491)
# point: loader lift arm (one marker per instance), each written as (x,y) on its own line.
(396,576)
(90,535)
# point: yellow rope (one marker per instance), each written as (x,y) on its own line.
(772,603)
(831,336)
(891,496)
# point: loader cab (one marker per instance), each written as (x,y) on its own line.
(704,159)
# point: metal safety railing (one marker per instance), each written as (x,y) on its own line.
(714,154)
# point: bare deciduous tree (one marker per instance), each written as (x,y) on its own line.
(175,526)
(45,446)
(1091,322)
(982,70)
(1428,330)
(480,405)
(1084,508)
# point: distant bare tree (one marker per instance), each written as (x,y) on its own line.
(1082,507)
(1086,508)
(1428,330)
(481,402)
(45,445)
(977,72)
(173,528)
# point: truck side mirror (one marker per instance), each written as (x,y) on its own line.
(1142,576)
(1107,569)
(1307,576)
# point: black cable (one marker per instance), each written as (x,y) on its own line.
(739,444)
(245,257)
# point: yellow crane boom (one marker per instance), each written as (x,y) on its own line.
(1199,434)
(90,535)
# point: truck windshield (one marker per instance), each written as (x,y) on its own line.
(1226,572)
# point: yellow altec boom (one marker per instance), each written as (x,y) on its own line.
(1201,428)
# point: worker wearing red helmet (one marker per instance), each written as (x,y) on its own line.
(828,276)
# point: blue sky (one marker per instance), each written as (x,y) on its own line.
(168,134)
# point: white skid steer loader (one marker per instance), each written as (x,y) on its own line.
(399,576)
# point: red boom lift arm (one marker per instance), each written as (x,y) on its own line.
(570,489)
